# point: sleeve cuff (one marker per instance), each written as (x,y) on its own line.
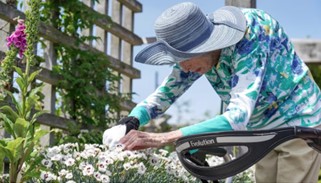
(141,114)
(217,124)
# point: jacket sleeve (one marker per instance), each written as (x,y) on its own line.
(165,95)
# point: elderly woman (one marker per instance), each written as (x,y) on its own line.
(251,64)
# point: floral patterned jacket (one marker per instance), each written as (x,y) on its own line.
(261,79)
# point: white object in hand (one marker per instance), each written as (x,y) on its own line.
(112,135)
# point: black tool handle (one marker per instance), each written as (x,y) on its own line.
(259,143)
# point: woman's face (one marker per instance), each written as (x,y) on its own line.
(201,64)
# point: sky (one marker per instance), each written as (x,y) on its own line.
(299,18)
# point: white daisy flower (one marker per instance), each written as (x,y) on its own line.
(97,176)
(141,168)
(127,166)
(104,179)
(46,162)
(88,170)
(69,176)
(70,162)
(47,176)
(102,167)
(56,157)
(70,181)
(63,172)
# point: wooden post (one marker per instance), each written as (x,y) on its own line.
(49,90)
(101,44)
(127,52)
(241,3)
(115,42)
(88,31)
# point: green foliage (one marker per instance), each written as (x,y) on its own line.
(85,74)
(6,71)
(19,115)
(80,136)
(83,87)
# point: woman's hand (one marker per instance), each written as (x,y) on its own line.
(136,140)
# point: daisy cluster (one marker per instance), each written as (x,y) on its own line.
(91,163)
(73,163)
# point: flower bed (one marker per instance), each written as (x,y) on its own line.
(73,163)
(97,163)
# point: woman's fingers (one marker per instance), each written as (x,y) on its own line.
(135,140)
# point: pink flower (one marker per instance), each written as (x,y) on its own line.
(18,38)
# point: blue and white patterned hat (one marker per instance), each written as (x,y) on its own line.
(183,31)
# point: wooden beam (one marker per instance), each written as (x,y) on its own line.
(46,119)
(133,5)
(148,40)
(106,23)
(54,35)
(56,121)
(309,50)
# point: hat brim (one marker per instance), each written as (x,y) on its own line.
(222,36)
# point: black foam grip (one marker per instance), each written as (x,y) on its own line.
(131,122)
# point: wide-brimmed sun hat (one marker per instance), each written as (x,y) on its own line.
(184,31)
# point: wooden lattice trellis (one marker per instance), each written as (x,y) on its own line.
(116,46)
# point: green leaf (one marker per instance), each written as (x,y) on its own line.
(7,123)
(20,127)
(28,150)
(33,75)
(15,103)
(32,170)
(3,144)
(33,98)
(21,83)
(18,70)
(16,148)
(9,112)
(3,141)
(6,152)
(40,133)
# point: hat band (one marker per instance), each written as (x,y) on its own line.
(226,23)
(229,24)
(197,41)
